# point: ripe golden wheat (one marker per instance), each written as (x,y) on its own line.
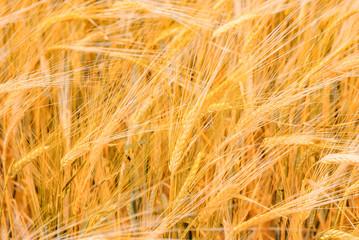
(179,119)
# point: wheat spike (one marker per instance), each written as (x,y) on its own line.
(75,153)
(143,109)
(304,140)
(340,158)
(337,234)
(191,175)
(217,107)
(165,34)
(181,142)
(233,24)
(19,165)
(128,5)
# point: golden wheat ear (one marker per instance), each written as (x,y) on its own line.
(75,153)
(341,158)
(19,165)
(336,234)
(304,140)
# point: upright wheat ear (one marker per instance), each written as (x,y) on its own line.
(337,234)
(18,166)
(340,158)
(181,142)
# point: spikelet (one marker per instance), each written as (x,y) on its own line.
(62,17)
(303,140)
(233,24)
(18,166)
(75,153)
(95,237)
(128,5)
(58,47)
(337,234)
(217,107)
(340,158)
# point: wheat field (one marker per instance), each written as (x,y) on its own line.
(179,119)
